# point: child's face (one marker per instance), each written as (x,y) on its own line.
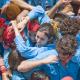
(41,39)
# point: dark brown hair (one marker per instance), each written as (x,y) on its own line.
(70,26)
(39,75)
(47,28)
(67,44)
(14,59)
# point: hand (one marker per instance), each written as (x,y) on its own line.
(9,74)
(50,59)
(21,26)
(65,1)
(1,62)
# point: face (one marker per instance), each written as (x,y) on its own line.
(63,56)
(41,39)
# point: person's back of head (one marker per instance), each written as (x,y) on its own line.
(14,59)
(70,26)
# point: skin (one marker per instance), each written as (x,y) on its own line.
(41,38)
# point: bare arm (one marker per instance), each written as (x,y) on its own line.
(23,4)
(3,70)
(53,10)
(27,65)
(21,16)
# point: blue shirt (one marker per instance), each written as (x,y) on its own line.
(43,3)
(57,71)
(29,52)
(3,2)
(39,13)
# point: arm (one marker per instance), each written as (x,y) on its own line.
(27,65)
(53,10)
(76,2)
(27,52)
(3,70)
(22,15)
(22,4)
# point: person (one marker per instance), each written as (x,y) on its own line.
(39,76)
(44,37)
(69,55)
(41,58)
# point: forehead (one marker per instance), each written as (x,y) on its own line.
(42,34)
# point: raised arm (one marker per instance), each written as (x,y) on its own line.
(23,4)
(53,10)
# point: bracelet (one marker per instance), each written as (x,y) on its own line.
(3,69)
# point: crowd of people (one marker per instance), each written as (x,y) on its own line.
(39,39)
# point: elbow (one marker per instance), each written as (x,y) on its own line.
(21,68)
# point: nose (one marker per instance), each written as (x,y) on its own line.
(38,41)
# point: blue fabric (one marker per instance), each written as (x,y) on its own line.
(3,2)
(42,2)
(1,50)
(57,71)
(27,75)
(29,52)
(78,38)
(39,13)
(17,76)
(6,54)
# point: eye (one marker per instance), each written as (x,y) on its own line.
(37,36)
(42,39)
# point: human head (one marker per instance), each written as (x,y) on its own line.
(8,37)
(39,75)
(66,47)
(14,59)
(70,26)
(12,11)
(44,35)
(67,78)
(33,27)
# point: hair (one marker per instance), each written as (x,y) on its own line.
(70,26)
(39,75)
(47,28)
(59,17)
(14,59)
(67,44)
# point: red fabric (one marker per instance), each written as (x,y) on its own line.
(33,25)
(8,35)
(2,23)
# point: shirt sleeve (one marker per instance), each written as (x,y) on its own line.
(26,52)
(36,11)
